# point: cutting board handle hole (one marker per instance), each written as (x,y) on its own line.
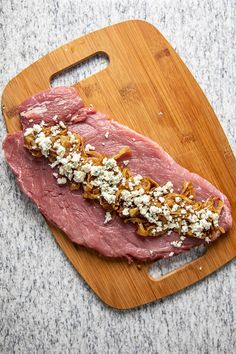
(165,266)
(81,70)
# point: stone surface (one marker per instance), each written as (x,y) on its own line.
(45,307)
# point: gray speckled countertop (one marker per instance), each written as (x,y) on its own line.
(45,307)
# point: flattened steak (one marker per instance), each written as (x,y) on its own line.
(52,106)
(83,220)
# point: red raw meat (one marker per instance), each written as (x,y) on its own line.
(83,220)
(52,106)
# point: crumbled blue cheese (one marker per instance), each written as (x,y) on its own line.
(55,130)
(106,135)
(125,194)
(62,124)
(184,229)
(168,187)
(157,230)
(193,218)
(125,211)
(176,244)
(178,199)
(205,224)
(61,180)
(108,217)
(96,170)
(89,147)
(209,213)
(137,179)
(66,171)
(165,189)
(155,210)
(79,176)
(60,150)
(215,218)
(44,143)
(28,131)
(175,207)
(110,198)
(75,159)
(109,163)
(143,199)
(158,192)
(72,137)
(144,211)
(37,128)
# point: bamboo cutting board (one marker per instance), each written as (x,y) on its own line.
(144,77)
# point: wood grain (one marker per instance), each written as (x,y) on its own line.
(145,76)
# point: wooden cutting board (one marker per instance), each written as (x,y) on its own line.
(145,76)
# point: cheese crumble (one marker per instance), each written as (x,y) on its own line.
(108,217)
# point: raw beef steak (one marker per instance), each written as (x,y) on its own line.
(81,219)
